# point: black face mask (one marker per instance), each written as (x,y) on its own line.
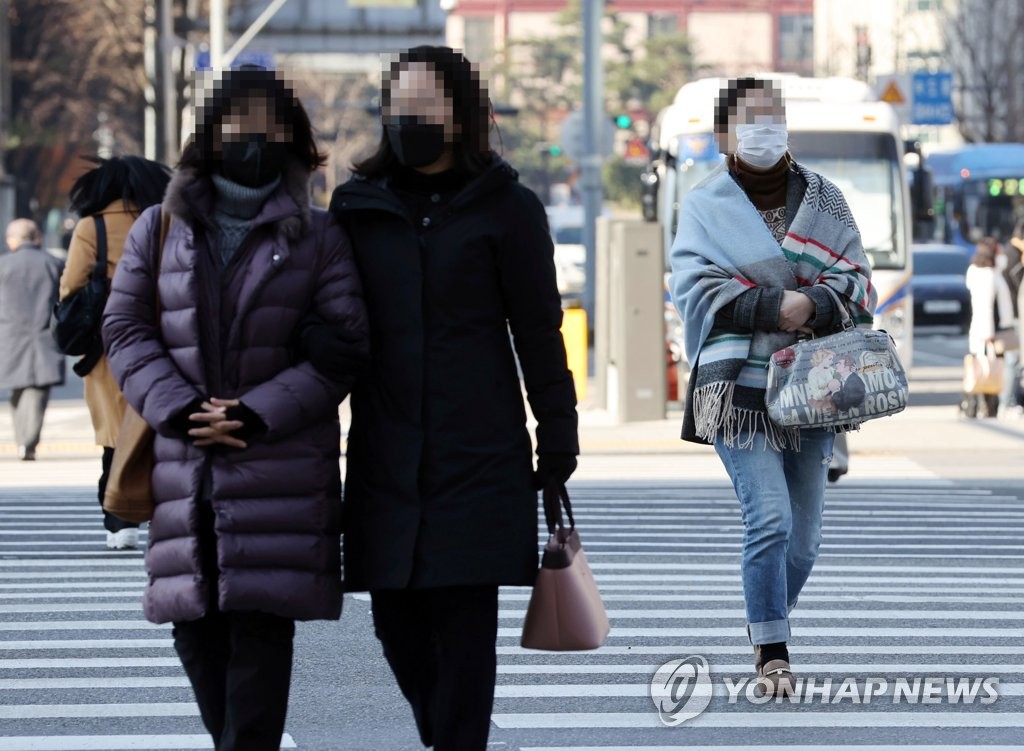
(416,144)
(254,161)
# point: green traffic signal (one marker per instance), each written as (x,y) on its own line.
(623,121)
(555,150)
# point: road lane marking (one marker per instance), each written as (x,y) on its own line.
(895,650)
(800,669)
(98,683)
(61,711)
(89,662)
(47,644)
(114,742)
(125,625)
(789,747)
(804,719)
(849,614)
(619,632)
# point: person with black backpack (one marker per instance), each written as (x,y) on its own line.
(108,198)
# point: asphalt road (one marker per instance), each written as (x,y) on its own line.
(923,579)
(921,576)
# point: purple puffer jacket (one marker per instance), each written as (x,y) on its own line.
(276,503)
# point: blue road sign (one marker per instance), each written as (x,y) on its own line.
(262,59)
(932,99)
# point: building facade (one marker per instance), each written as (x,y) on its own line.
(729,37)
(872,38)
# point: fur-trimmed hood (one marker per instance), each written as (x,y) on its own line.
(190,197)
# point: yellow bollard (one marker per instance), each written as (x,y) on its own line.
(574,334)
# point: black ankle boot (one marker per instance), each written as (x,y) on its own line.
(774,651)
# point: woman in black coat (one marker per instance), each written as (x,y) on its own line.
(441,496)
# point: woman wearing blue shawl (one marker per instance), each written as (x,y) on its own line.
(760,243)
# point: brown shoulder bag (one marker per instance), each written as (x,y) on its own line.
(129,494)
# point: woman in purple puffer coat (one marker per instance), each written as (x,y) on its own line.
(245,536)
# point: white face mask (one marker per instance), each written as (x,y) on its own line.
(762,145)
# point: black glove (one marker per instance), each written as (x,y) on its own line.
(180,423)
(252,424)
(553,469)
(329,351)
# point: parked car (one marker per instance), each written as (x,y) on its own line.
(939,287)
(566,224)
(570,262)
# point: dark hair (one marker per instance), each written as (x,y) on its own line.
(470,104)
(138,182)
(234,85)
(985,253)
(737,89)
(847,360)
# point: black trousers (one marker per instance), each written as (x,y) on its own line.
(239,663)
(440,644)
(110,522)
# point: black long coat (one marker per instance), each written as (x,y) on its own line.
(439,488)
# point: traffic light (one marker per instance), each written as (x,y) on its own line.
(623,121)
(550,149)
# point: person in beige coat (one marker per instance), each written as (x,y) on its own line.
(114,192)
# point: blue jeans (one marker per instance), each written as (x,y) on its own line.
(782,496)
(1012,377)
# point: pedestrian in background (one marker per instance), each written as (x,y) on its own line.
(245,534)
(766,249)
(990,295)
(441,496)
(31,363)
(113,192)
(991,310)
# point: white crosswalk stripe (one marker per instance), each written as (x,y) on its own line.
(915,582)
(75,674)
(924,582)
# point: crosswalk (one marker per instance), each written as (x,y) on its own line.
(918,579)
(80,669)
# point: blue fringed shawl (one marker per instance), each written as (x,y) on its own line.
(722,248)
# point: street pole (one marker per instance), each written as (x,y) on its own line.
(5,77)
(590,164)
(8,197)
(169,110)
(151,53)
(218,23)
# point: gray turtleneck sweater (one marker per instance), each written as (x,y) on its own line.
(235,208)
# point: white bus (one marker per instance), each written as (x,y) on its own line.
(836,128)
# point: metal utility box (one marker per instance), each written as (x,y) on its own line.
(630,333)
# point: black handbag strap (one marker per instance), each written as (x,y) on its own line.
(99,271)
(555,498)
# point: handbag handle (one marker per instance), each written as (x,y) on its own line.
(99,271)
(555,498)
(847,321)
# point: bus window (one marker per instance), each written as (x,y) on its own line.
(864,166)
